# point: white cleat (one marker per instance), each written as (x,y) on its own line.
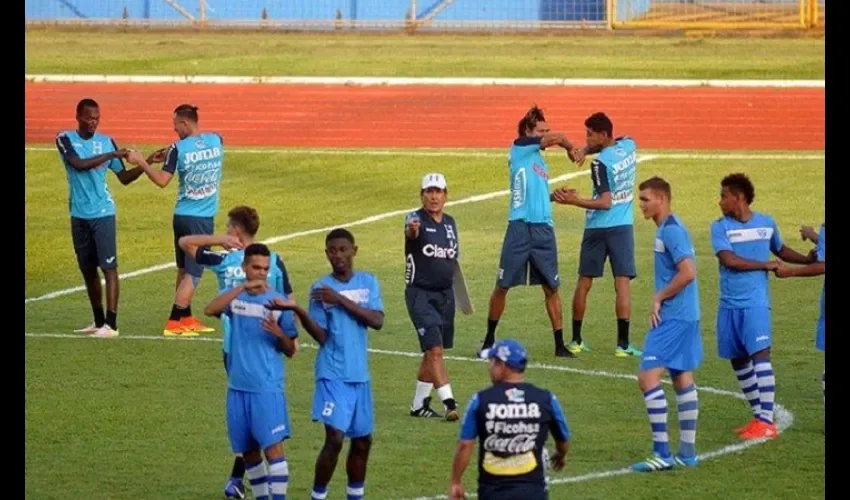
(105,332)
(89,329)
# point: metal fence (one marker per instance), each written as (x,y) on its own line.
(429,14)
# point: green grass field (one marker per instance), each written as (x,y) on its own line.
(557,56)
(130,418)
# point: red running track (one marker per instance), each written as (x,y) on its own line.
(437,116)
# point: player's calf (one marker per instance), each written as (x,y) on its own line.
(255,469)
(649,381)
(326,462)
(358,457)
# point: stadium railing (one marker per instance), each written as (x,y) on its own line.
(430,15)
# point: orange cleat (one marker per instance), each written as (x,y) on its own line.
(760,430)
(192,324)
(176,329)
(747,426)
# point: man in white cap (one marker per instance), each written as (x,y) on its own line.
(431,250)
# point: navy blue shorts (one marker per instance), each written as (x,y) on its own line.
(433,315)
(186,225)
(617,244)
(527,491)
(529,256)
(95,242)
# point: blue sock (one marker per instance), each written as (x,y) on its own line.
(767,388)
(319,492)
(259,479)
(656,409)
(279,478)
(355,490)
(688,413)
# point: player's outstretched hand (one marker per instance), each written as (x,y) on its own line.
(808,233)
(135,157)
(122,153)
(565,196)
(280,304)
(325,294)
(558,460)
(772,265)
(271,326)
(457,492)
(157,156)
(577,155)
(783,271)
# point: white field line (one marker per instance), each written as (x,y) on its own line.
(432,81)
(784,418)
(321,230)
(472,153)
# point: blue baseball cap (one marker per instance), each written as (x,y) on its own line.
(509,351)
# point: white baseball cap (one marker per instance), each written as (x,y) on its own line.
(434,180)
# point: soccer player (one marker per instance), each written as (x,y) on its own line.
(431,252)
(242,225)
(86,156)
(673,343)
(743,241)
(529,250)
(257,416)
(511,420)
(343,306)
(609,227)
(197,159)
(816,268)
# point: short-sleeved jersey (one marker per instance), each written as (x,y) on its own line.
(88,194)
(672,245)
(512,422)
(754,240)
(820,250)
(344,354)
(429,259)
(197,160)
(227,267)
(529,184)
(255,365)
(613,170)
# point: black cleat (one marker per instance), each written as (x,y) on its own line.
(425,411)
(563,352)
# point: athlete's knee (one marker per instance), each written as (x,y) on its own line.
(739,363)
(763,355)
(252,457)
(499,292)
(361,445)
(89,272)
(435,353)
(333,441)
(550,292)
(584,284)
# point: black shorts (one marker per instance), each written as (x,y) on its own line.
(95,242)
(186,225)
(529,256)
(433,315)
(512,492)
(615,243)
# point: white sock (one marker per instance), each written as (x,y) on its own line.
(445,392)
(259,480)
(423,390)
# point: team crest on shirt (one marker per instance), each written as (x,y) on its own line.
(515,395)
(200,144)
(762,232)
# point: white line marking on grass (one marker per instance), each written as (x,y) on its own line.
(360,222)
(432,81)
(784,418)
(472,153)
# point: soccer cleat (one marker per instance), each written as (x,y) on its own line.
(89,329)
(175,329)
(686,461)
(192,324)
(577,347)
(105,332)
(564,352)
(747,426)
(234,488)
(760,430)
(654,463)
(627,352)
(425,411)
(452,415)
